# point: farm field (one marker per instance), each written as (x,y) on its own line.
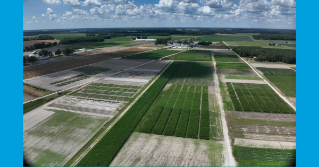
(93,45)
(281,42)
(284,79)
(226,58)
(52,141)
(175,37)
(257,98)
(232,44)
(155,54)
(34,71)
(242,77)
(192,55)
(232,66)
(248,156)
(225,38)
(154,150)
(61,36)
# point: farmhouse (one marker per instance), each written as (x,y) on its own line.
(149,40)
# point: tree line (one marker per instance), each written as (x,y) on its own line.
(81,39)
(267,54)
(40,37)
(39,46)
(204,43)
(275,37)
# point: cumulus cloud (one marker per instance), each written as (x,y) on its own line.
(72,2)
(49,11)
(104,9)
(34,17)
(52,16)
(91,3)
(67,13)
(36,21)
(52,2)
(43,15)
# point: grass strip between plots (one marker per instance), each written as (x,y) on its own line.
(106,149)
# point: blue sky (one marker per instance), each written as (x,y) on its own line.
(57,14)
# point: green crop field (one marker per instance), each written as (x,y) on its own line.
(284,79)
(257,98)
(193,73)
(92,45)
(108,91)
(155,54)
(226,58)
(183,37)
(225,38)
(247,156)
(114,139)
(192,55)
(242,77)
(232,66)
(259,44)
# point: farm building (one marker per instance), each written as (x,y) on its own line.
(148,40)
(30,55)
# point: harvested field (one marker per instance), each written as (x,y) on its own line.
(265,129)
(30,43)
(60,136)
(263,116)
(270,65)
(34,71)
(27,97)
(264,144)
(287,138)
(68,78)
(33,91)
(155,54)
(31,119)
(155,150)
(241,72)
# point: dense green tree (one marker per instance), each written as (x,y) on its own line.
(67,51)
(58,52)
(32,59)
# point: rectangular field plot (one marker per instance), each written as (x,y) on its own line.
(226,58)
(193,73)
(286,84)
(225,38)
(232,66)
(248,156)
(53,141)
(155,54)
(192,55)
(277,71)
(91,70)
(257,98)
(154,150)
(242,77)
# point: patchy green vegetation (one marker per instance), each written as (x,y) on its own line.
(225,38)
(242,77)
(155,54)
(277,71)
(263,44)
(248,156)
(192,55)
(257,98)
(226,58)
(91,70)
(61,36)
(232,66)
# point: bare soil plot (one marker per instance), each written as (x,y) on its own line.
(244,81)
(155,150)
(32,91)
(264,144)
(27,97)
(268,137)
(31,119)
(59,137)
(263,116)
(270,65)
(265,129)
(34,71)
(245,72)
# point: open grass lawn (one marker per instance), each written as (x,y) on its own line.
(192,55)
(248,156)
(259,44)
(257,98)
(226,58)
(61,36)
(92,45)
(225,38)
(155,54)
(232,66)
(243,77)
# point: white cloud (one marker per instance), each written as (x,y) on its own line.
(43,15)
(28,22)
(49,11)
(52,2)
(72,2)
(67,13)
(91,3)
(43,21)
(52,16)
(34,17)
(36,21)
(212,3)
(104,9)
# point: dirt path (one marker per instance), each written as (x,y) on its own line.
(118,118)
(264,79)
(229,158)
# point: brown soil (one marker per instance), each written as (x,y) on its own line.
(32,91)
(30,72)
(30,43)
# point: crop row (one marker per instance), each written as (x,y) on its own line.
(277,71)
(106,149)
(172,122)
(194,55)
(204,116)
(247,156)
(192,128)
(257,98)
(67,79)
